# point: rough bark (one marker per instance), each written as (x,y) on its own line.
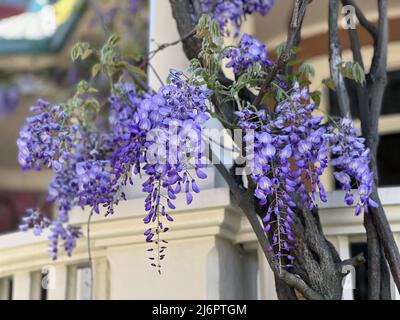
(335,58)
(187,14)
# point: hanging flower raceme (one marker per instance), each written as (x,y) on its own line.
(81,178)
(287,153)
(130,121)
(34,220)
(174,147)
(157,133)
(351,161)
(41,137)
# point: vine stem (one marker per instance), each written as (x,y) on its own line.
(163,46)
(158,230)
(299,10)
(89,249)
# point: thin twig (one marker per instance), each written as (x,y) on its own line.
(100,17)
(299,10)
(355,261)
(156,73)
(163,46)
(107,34)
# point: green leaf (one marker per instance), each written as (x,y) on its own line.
(96,69)
(279,48)
(81,50)
(84,87)
(86,53)
(294,62)
(113,40)
(346,69)
(307,70)
(352,70)
(329,83)
(92,104)
(316,97)
(358,73)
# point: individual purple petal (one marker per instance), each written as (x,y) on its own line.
(189,198)
(200,174)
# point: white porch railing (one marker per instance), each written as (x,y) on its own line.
(212,252)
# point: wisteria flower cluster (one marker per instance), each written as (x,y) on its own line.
(172,147)
(49,140)
(351,160)
(158,133)
(287,154)
(41,136)
(36,221)
(235,11)
(249,53)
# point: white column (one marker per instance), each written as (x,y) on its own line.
(162,30)
(22,285)
(84,283)
(100,279)
(266,280)
(72,282)
(344,252)
(35,285)
(58,277)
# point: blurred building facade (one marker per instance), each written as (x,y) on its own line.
(212,253)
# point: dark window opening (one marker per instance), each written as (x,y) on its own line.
(388,160)
(360,291)
(43,288)
(10,288)
(391,98)
(6,288)
(13,206)
(389,146)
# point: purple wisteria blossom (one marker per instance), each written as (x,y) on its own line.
(158,134)
(288,153)
(235,11)
(33,219)
(41,137)
(249,53)
(173,148)
(351,160)
(49,140)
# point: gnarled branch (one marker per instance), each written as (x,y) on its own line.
(335,58)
